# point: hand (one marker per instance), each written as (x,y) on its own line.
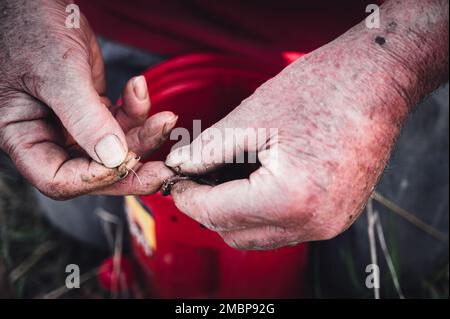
(55,123)
(338,111)
(329,155)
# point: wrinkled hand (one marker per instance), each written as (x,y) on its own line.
(330,154)
(334,138)
(61,132)
(338,111)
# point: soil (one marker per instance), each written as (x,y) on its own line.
(223,174)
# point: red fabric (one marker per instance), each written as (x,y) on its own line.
(254,28)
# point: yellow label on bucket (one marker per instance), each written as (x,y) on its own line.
(142,225)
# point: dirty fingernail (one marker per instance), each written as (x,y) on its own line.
(140,87)
(110,151)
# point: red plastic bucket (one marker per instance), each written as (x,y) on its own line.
(184,259)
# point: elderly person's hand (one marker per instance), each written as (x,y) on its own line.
(55,123)
(338,111)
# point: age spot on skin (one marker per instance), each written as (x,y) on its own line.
(66,54)
(380,40)
(392,26)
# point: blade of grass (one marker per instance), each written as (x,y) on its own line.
(371,220)
(28,263)
(387,256)
(410,217)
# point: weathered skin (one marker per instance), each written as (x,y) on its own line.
(339,111)
(52,75)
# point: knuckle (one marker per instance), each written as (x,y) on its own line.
(327,233)
(54,193)
(54,190)
(186,202)
(8,143)
(257,243)
(305,198)
(209,220)
(298,204)
(32,83)
(235,243)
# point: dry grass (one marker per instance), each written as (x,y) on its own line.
(33,255)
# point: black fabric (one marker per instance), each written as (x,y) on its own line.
(416,179)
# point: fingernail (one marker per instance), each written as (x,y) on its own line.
(110,151)
(140,87)
(178,156)
(168,126)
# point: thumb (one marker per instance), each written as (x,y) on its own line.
(226,141)
(77,104)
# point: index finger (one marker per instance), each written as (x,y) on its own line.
(38,156)
(234,205)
